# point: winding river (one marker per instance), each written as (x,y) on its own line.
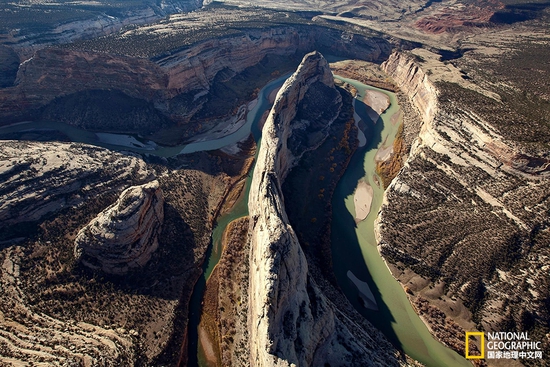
(353,245)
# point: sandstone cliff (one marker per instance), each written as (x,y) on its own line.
(290,321)
(125,234)
(147,95)
(38,179)
(412,80)
(465,212)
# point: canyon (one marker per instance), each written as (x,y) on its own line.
(463,225)
(168,99)
(290,321)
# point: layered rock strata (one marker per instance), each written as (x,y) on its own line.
(412,80)
(466,212)
(290,321)
(170,90)
(38,179)
(124,235)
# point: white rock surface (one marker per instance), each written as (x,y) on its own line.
(290,321)
(124,235)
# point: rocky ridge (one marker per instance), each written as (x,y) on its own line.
(462,174)
(124,235)
(290,321)
(38,179)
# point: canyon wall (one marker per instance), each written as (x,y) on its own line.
(166,90)
(412,81)
(464,217)
(290,321)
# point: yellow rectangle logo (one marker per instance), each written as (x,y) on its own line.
(475,333)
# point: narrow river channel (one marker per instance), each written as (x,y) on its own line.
(240,209)
(353,245)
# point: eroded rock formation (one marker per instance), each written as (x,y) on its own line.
(124,235)
(38,179)
(290,321)
(466,212)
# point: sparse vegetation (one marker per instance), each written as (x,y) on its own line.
(313,175)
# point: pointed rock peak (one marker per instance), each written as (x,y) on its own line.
(313,66)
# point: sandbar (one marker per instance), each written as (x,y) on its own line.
(378,103)
(362,200)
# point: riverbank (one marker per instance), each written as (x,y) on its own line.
(355,249)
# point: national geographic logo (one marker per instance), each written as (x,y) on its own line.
(503,345)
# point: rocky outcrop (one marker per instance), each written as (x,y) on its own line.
(124,235)
(464,213)
(412,80)
(290,321)
(38,179)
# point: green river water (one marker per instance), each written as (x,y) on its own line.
(353,246)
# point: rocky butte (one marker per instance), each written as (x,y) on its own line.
(290,321)
(124,235)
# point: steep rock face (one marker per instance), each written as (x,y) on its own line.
(199,64)
(173,87)
(412,80)
(37,179)
(125,234)
(466,212)
(9,63)
(290,321)
(52,73)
